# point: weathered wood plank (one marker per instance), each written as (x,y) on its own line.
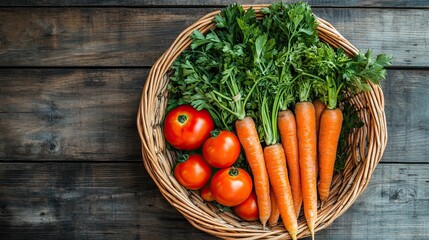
(89,36)
(89,114)
(138,36)
(406,97)
(70,114)
(84,201)
(119,201)
(324,3)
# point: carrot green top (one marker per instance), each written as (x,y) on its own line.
(247,66)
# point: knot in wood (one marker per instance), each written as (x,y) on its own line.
(403,194)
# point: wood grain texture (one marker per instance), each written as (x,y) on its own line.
(119,201)
(406,96)
(89,36)
(85,201)
(172,3)
(394,206)
(70,160)
(89,114)
(138,36)
(70,114)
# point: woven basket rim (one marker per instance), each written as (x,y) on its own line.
(368,146)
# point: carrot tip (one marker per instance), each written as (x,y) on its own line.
(272,224)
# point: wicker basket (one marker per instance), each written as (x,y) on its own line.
(367,145)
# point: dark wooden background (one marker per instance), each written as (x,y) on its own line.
(71,74)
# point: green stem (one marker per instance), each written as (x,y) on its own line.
(251,91)
(214,133)
(313,76)
(221,95)
(182,118)
(265,119)
(279,99)
(333,91)
(238,103)
(274,115)
(227,109)
(233,172)
(183,158)
(304,91)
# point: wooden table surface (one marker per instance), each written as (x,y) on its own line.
(71,74)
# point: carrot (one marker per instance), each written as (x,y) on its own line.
(275,214)
(329,134)
(276,166)
(287,127)
(319,107)
(306,131)
(249,139)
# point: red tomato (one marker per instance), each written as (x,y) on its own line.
(186,128)
(222,149)
(248,210)
(193,172)
(206,194)
(231,186)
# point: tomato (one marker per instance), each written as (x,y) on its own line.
(192,171)
(231,186)
(248,210)
(185,128)
(206,194)
(222,149)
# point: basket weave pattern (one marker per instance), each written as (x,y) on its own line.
(366,147)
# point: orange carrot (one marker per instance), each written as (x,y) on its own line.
(275,214)
(249,139)
(287,127)
(276,166)
(330,129)
(319,107)
(306,131)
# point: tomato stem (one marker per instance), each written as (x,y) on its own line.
(233,172)
(182,158)
(215,133)
(182,118)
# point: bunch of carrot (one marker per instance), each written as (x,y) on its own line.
(261,77)
(291,166)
